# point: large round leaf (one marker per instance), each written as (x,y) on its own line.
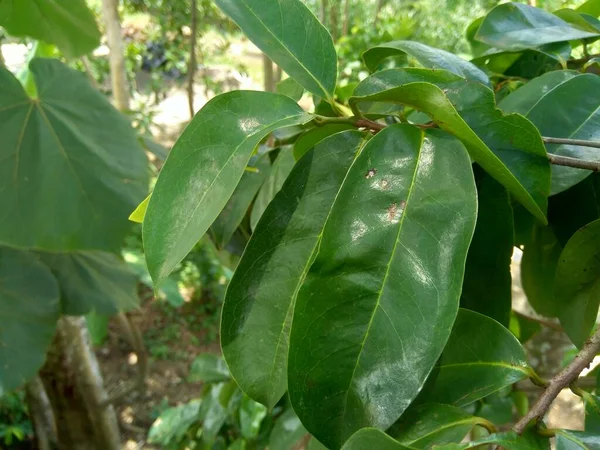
(508,147)
(259,303)
(29,309)
(480,358)
(68,24)
(203,169)
(72,169)
(561,106)
(379,301)
(289,33)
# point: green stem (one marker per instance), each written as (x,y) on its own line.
(489,426)
(536,379)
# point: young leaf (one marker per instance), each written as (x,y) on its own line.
(203,169)
(29,309)
(139,212)
(312,137)
(68,24)
(234,211)
(93,281)
(429,57)
(283,165)
(514,27)
(562,109)
(487,283)
(260,299)
(292,37)
(480,358)
(377,284)
(49,147)
(577,283)
(430,424)
(508,147)
(538,269)
(372,438)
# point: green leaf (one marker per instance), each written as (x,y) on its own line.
(576,440)
(591,7)
(68,24)
(234,211)
(577,283)
(433,423)
(291,88)
(372,438)
(93,281)
(172,425)
(288,430)
(508,147)
(98,327)
(203,169)
(292,37)
(538,269)
(98,172)
(529,440)
(258,307)
(560,106)
(251,417)
(314,444)
(29,309)
(480,358)
(139,212)
(383,289)
(515,26)
(310,138)
(213,413)
(283,165)
(523,328)
(238,444)
(429,57)
(592,413)
(487,285)
(208,368)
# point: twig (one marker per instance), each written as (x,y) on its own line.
(577,142)
(546,323)
(558,160)
(560,381)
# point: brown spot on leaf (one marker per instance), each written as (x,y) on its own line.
(384,184)
(371,173)
(392,211)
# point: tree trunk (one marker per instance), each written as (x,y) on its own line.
(346,24)
(278,75)
(378,9)
(74,385)
(269,76)
(118,73)
(333,23)
(41,415)
(192,65)
(324,9)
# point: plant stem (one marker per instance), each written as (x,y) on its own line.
(578,142)
(560,381)
(543,322)
(558,160)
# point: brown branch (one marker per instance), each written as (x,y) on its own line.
(560,381)
(543,322)
(577,142)
(566,161)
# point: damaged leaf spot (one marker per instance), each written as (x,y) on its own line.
(371,173)
(392,211)
(384,184)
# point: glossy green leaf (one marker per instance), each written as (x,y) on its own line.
(431,424)
(487,285)
(377,282)
(372,438)
(70,128)
(251,417)
(538,269)
(203,169)
(282,166)
(289,34)
(480,358)
(29,309)
(560,105)
(208,368)
(213,413)
(260,299)
(508,147)
(68,24)
(312,137)
(234,211)
(429,57)
(515,26)
(93,281)
(172,425)
(291,88)
(288,430)
(577,283)
(529,440)
(576,440)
